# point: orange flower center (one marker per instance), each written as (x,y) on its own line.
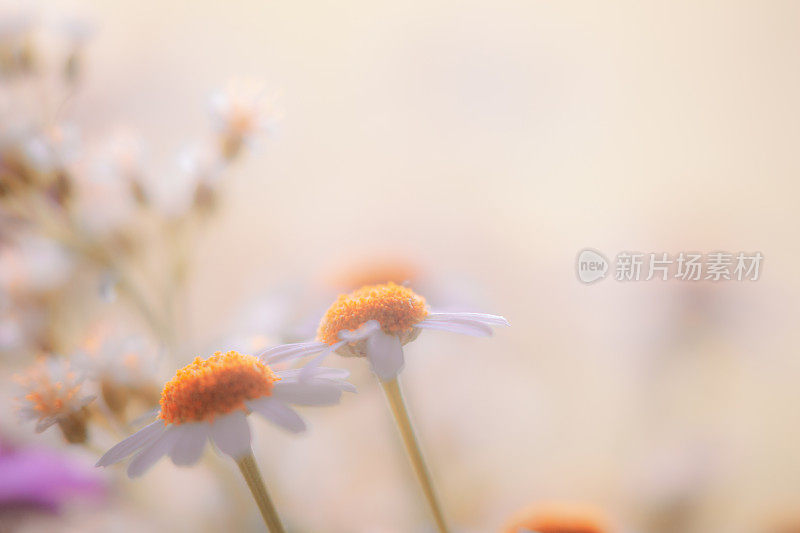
(48,396)
(396,308)
(52,399)
(206,388)
(560,519)
(562,527)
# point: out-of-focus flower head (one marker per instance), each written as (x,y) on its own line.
(105,200)
(375,322)
(240,114)
(54,395)
(42,480)
(124,369)
(18,54)
(558,518)
(37,162)
(211,398)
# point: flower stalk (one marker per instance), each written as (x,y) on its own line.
(252,475)
(395,397)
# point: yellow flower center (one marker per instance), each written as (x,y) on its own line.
(396,308)
(206,388)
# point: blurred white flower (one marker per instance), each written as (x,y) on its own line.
(53,395)
(33,264)
(121,155)
(130,360)
(240,114)
(52,149)
(197,167)
(104,201)
(124,368)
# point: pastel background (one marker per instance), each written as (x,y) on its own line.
(486,144)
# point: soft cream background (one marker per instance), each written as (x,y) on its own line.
(492,141)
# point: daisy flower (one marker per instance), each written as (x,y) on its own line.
(240,114)
(558,518)
(53,396)
(375,322)
(209,399)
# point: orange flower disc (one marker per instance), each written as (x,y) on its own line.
(206,388)
(395,307)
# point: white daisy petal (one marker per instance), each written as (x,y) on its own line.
(135,442)
(292,351)
(485,318)
(385,354)
(146,458)
(341,384)
(313,365)
(188,448)
(364,330)
(231,434)
(332,373)
(291,375)
(307,393)
(334,377)
(279,413)
(474,329)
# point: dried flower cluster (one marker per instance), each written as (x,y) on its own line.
(85,219)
